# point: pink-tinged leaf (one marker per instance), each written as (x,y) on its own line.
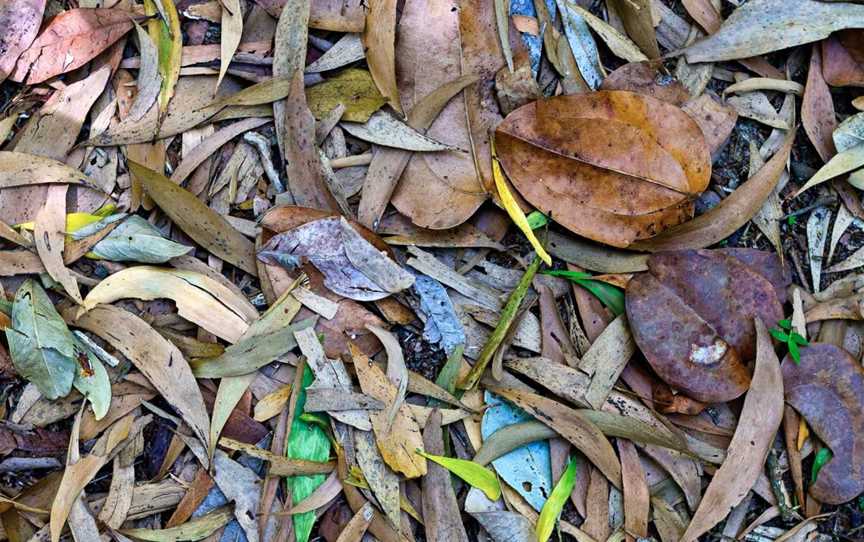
(20,20)
(817,109)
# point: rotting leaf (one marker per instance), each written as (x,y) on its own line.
(827,388)
(745,458)
(614,166)
(197,220)
(691,316)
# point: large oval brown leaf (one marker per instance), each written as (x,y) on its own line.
(613,166)
(692,315)
(827,388)
(69,41)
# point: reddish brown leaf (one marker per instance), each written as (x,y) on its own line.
(613,166)
(817,109)
(692,317)
(69,41)
(827,389)
(843,59)
(716,121)
(20,20)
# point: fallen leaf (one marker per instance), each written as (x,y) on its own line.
(91,379)
(440,507)
(639,23)
(400,444)
(354,88)
(347,50)
(149,80)
(817,235)
(379,42)
(168,36)
(765,26)
(826,388)
(197,220)
(383,129)
(745,458)
(712,299)
(49,237)
(730,214)
(69,41)
(357,526)
(136,240)
(645,78)
(561,135)
(199,298)
(352,267)
(582,45)
(242,486)
(555,504)
(195,529)
(22,20)
(41,346)
(231,33)
(716,121)
(148,351)
(620,45)
(841,59)
(637,501)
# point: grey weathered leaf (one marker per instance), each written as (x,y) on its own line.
(136,240)
(149,79)
(40,344)
(384,129)
(582,44)
(348,49)
(764,26)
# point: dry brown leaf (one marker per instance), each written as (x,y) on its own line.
(441,515)
(645,78)
(21,19)
(733,212)
(399,443)
(716,120)
(50,234)
(757,426)
(817,109)
(439,190)
(581,432)
(615,166)
(69,41)
(379,42)
(197,220)
(842,59)
(210,145)
(231,32)
(639,23)
(635,488)
(159,360)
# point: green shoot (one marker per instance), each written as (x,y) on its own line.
(785,334)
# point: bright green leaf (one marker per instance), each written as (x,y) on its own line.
(536,219)
(555,503)
(40,344)
(779,335)
(799,339)
(307,441)
(611,296)
(473,474)
(822,456)
(794,353)
(785,323)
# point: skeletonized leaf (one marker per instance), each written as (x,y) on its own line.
(197,220)
(384,129)
(745,458)
(136,240)
(70,40)
(159,360)
(379,41)
(764,26)
(199,298)
(41,346)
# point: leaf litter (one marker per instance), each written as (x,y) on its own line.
(511,268)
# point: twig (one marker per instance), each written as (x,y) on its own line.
(775,475)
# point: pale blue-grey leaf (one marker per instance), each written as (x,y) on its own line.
(527,469)
(91,379)
(582,44)
(136,240)
(442,324)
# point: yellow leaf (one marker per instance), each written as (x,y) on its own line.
(513,209)
(473,473)
(272,404)
(555,503)
(76,221)
(352,87)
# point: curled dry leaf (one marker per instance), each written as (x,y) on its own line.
(691,315)
(199,298)
(614,166)
(70,40)
(827,389)
(745,458)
